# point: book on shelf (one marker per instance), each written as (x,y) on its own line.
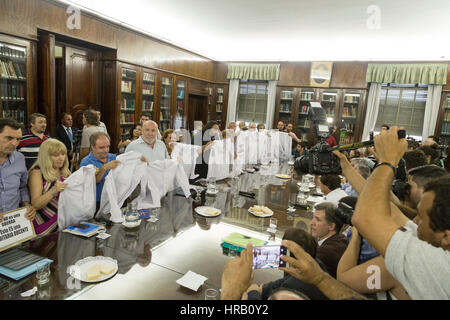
(6,51)
(219,90)
(127,86)
(10,91)
(148,89)
(149,77)
(126,118)
(18,115)
(147,105)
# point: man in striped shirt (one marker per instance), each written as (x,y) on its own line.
(31,141)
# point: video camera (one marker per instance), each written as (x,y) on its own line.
(344,213)
(319,159)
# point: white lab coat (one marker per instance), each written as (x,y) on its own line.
(189,154)
(77,202)
(220,159)
(120,183)
(285,145)
(160,177)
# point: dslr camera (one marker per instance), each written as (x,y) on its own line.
(319,159)
(344,213)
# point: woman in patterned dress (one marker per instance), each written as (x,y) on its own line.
(46,181)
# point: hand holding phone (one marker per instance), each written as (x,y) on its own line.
(269,257)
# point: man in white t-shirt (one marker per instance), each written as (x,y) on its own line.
(418,256)
(330,184)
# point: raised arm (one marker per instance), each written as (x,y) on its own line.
(373,209)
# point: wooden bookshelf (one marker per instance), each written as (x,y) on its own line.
(148,94)
(345,109)
(128,96)
(166,96)
(180,107)
(16,79)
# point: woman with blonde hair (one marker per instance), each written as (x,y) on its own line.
(46,181)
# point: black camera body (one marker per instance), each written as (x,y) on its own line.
(344,213)
(318,160)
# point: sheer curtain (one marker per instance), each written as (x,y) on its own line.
(431,110)
(271,96)
(232,100)
(373,103)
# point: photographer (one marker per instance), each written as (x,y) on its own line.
(417,256)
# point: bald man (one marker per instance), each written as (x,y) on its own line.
(148,144)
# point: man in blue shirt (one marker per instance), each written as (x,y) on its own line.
(100,158)
(13,172)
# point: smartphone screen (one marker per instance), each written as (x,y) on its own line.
(268,257)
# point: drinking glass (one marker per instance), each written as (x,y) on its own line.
(273,223)
(211,294)
(43,272)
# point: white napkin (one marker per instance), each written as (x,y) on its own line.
(29,293)
(191,280)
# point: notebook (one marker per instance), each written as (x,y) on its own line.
(84,229)
(17,259)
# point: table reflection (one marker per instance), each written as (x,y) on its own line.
(177,218)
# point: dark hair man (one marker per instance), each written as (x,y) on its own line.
(13,172)
(330,185)
(326,227)
(31,141)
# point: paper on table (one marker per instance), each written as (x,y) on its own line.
(191,280)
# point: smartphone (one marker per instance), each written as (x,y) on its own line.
(269,257)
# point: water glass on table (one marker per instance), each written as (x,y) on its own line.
(43,272)
(211,294)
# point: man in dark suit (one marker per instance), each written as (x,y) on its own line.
(65,133)
(326,227)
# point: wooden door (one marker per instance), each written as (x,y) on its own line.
(82,78)
(46,80)
(197,110)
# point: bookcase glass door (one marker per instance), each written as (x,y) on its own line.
(349,117)
(304,106)
(219,106)
(166,98)
(286,106)
(148,94)
(445,131)
(128,99)
(180,107)
(13,82)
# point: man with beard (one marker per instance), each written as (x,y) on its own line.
(148,145)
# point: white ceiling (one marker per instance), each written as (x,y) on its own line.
(290,30)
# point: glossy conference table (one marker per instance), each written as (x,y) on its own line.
(153,256)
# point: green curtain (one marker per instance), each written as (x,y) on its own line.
(253,71)
(407,73)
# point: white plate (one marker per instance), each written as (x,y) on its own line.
(262,215)
(283,176)
(202,211)
(78,271)
(212,192)
(291,163)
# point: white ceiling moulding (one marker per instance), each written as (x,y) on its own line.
(289,30)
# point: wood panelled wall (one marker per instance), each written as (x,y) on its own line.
(23,18)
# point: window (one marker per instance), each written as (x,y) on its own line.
(252,102)
(403,105)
